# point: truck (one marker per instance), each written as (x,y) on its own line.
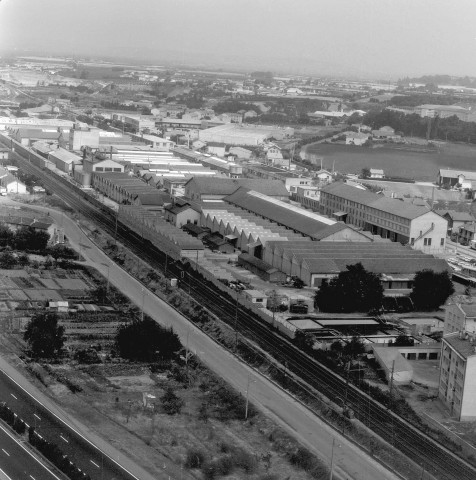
(472,244)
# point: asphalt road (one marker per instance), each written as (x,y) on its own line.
(82,453)
(17,463)
(350,462)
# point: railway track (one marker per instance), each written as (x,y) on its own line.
(434,457)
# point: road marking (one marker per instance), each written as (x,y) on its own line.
(28,452)
(64,439)
(31,476)
(35,415)
(95,464)
(3,473)
(5,452)
(13,396)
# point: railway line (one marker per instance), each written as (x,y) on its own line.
(433,457)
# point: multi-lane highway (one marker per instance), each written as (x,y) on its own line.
(85,455)
(17,462)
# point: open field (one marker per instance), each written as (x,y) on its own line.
(394,162)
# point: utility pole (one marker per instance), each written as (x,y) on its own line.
(236,322)
(331,474)
(391,385)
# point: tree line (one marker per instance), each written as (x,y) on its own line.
(358,290)
(447,129)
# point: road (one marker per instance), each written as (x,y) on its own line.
(82,453)
(18,463)
(349,460)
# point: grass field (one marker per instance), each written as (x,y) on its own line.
(398,163)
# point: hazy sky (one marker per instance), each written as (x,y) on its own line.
(385,38)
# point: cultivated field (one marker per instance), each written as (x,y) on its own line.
(395,162)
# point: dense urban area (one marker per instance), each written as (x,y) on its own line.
(208,274)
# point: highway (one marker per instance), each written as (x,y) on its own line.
(431,455)
(17,461)
(85,456)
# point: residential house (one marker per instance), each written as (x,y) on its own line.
(456,219)
(181,214)
(385,133)
(466,233)
(451,178)
(356,138)
(376,173)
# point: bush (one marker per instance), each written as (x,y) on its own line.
(195,458)
(242,459)
(171,403)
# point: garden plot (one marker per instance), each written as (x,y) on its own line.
(16,294)
(72,284)
(48,283)
(43,295)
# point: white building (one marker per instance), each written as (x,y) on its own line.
(457,385)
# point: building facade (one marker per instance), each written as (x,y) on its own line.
(388,217)
(457,383)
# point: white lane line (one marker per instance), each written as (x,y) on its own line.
(95,464)
(32,477)
(13,396)
(35,415)
(64,439)
(27,451)
(5,452)
(4,474)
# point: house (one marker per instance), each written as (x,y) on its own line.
(452,178)
(324,176)
(256,297)
(4,152)
(180,215)
(376,173)
(385,133)
(460,315)
(356,138)
(457,382)
(456,219)
(12,184)
(466,233)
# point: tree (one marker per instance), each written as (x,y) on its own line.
(7,260)
(44,336)
(354,290)
(171,403)
(145,340)
(403,341)
(365,172)
(6,236)
(431,289)
(354,347)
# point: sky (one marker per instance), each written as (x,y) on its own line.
(384,39)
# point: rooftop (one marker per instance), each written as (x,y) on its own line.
(388,205)
(466,347)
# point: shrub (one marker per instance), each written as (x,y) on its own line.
(195,458)
(171,403)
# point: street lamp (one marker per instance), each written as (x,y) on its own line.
(331,474)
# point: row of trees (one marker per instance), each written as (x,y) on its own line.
(451,128)
(25,238)
(358,290)
(141,340)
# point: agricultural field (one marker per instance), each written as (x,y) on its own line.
(395,162)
